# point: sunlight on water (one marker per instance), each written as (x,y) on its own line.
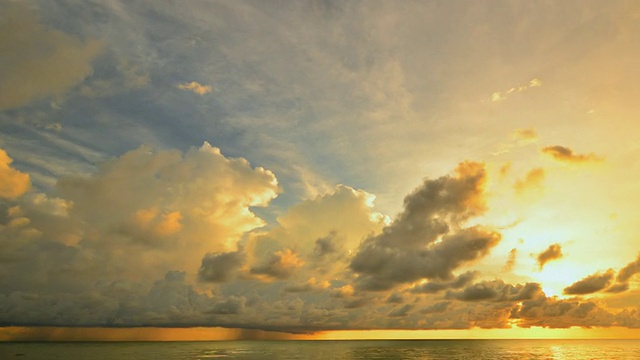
(341,350)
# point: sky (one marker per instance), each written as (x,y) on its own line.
(319,169)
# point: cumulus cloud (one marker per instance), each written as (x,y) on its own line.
(220,267)
(325,246)
(195,87)
(552,312)
(563,153)
(496,290)
(590,284)
(319,232)
(433,287)
(553,252)
(401,311)
(13,183)
(439,307)
(311,285)
(138,216)
(39,62)
(427,240)
(229,306)
(532,180)
(280,265)
(185,249)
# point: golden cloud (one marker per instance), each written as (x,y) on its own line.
(563,153)
(13,183)
(195,87)
(533,179)
(553,252)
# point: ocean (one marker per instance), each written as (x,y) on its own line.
(342,350)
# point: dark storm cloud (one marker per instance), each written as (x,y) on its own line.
(407,249)
(229,306)
(563,153)
(553,252)
(590,284)
(220,267)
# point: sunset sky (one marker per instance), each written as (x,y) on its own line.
(319,169)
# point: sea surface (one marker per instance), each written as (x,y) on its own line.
(303,350)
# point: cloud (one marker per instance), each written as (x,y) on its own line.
(165,238)
(617,288)
(230,306)
(533,179)
(402,311)
(551,312)
(311,285)
(280,265)
(504,169)
(511,260)
(195,87)
(563,153)
(427,240)
(502,95)
(138,216)
(553,252)
(525,136)
(436,308)
(39,62)
(629,270)
(13,183)
(220,267)
(323,238)
(590,284)
(130,77)
(433,287)
(496,290)
(325,246)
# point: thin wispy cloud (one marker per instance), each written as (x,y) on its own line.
(503,95)
(195,87)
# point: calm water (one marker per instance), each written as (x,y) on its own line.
(432,349)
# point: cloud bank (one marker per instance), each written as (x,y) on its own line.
(169,239)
